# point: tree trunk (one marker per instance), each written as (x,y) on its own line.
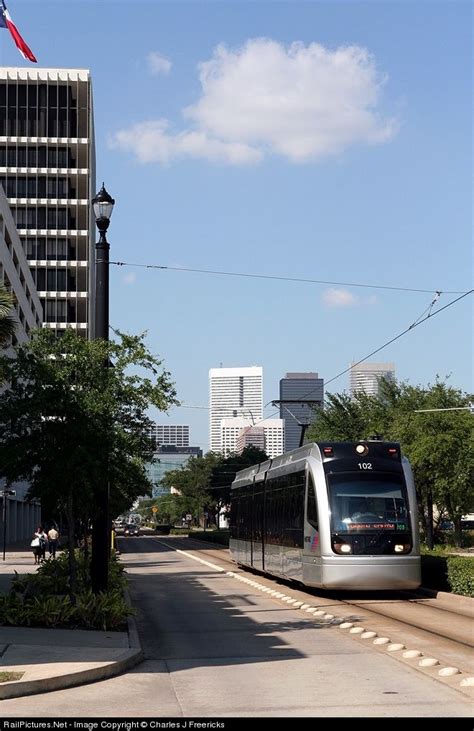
(428,519)
(72,546)
(457,532)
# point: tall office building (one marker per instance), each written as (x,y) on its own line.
(233,392)
(294,389)
(239,433)
(365,377)
(21,515)
(176,435)
(168,458)
(47,169)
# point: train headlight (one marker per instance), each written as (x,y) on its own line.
(362,449)
(402,547)
(342,548)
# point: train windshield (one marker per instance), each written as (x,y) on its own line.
(368,502)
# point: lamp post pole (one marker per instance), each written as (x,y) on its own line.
(103,205)
(5,493)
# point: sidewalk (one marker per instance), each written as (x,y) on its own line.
(53,659)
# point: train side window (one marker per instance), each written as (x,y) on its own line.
(311,505)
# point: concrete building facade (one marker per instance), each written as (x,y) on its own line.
(268,435)
(174,434)
(365,377)
(233,392)
(47,169)
(294,389)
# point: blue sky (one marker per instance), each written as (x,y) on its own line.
(318,140)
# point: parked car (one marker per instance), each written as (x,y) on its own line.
(131,529)
(446,525)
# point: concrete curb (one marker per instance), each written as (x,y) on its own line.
(19,688)
(127,660)
(459,600)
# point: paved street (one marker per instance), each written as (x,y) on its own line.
(215,647)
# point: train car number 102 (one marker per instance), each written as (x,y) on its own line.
(365,465)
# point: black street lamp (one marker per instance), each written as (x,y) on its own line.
(103,205)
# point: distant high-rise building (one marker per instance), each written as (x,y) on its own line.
(47,169)
(238,433)
(170,434)
(233,392)
(294,389)
(165,459)
(365,377)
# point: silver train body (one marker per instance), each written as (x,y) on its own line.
(334,515)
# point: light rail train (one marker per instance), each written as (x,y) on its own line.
(333,515)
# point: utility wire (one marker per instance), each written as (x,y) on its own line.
(281,279)
(377,350)
(397,337)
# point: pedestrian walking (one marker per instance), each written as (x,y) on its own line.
(53,537)
(35,545)
(42,542)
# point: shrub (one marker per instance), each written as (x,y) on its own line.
(461,574)
(42,599)
(214,536)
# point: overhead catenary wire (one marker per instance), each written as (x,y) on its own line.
(421,319)
(377,350)
(250,275)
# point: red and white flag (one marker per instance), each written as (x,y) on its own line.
(7,22)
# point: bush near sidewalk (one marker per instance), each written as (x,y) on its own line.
(212,536)
(43,599)
(443,571)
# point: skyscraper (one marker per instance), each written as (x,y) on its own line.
(267,436)
(233,392)
(365,377)
(47,169)
(294,389)
(174,434)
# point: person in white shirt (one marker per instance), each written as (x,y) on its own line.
(53,537)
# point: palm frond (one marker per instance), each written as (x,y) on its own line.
(8,321)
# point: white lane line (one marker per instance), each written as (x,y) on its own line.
(195,558)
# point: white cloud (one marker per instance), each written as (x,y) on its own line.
(301,102)
(151,142)
(339,298)
(158,64)
(130,278)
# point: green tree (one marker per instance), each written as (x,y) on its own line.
(223,474)
(205,483)
(192,482)
(63,411)
(439,445)
(346,419)
(8,322)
